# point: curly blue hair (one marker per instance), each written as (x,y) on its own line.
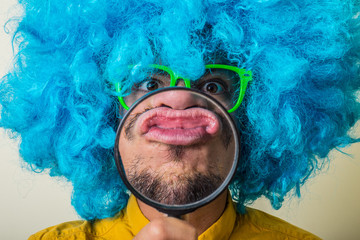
(302,103)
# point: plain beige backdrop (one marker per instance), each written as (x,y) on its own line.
(329,206)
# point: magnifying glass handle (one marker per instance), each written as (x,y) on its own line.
(175,216)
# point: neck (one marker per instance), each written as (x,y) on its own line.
(202,218)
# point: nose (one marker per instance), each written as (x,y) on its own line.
(180,82)
(179,100)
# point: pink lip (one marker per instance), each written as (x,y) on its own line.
(178,127)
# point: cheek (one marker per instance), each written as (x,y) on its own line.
(219,158)
(142,154)
(125,150)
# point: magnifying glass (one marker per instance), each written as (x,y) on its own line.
(176,149)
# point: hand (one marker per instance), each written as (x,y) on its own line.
(167,228)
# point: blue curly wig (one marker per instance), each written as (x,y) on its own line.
(59,99)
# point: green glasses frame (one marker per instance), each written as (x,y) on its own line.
(245,78)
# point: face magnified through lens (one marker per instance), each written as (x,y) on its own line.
(176,149)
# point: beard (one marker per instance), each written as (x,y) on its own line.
(185,190)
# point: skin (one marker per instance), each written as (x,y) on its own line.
(175,164)
(175,174)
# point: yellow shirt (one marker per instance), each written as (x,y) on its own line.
(127,223)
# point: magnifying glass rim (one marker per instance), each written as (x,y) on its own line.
(183,208)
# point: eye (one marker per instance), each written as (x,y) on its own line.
(212,87)
(149,84)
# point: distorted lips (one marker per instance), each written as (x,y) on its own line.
(178,127)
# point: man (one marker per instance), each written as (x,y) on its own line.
(60,98)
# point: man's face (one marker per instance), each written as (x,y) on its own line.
(176,147)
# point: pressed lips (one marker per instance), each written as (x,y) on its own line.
(178,127)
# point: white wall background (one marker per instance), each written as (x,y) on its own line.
(329,207)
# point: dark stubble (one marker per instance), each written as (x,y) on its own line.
(187,189)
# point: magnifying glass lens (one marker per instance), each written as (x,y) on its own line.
(176,149)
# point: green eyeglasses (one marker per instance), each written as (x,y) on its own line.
(225,83)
